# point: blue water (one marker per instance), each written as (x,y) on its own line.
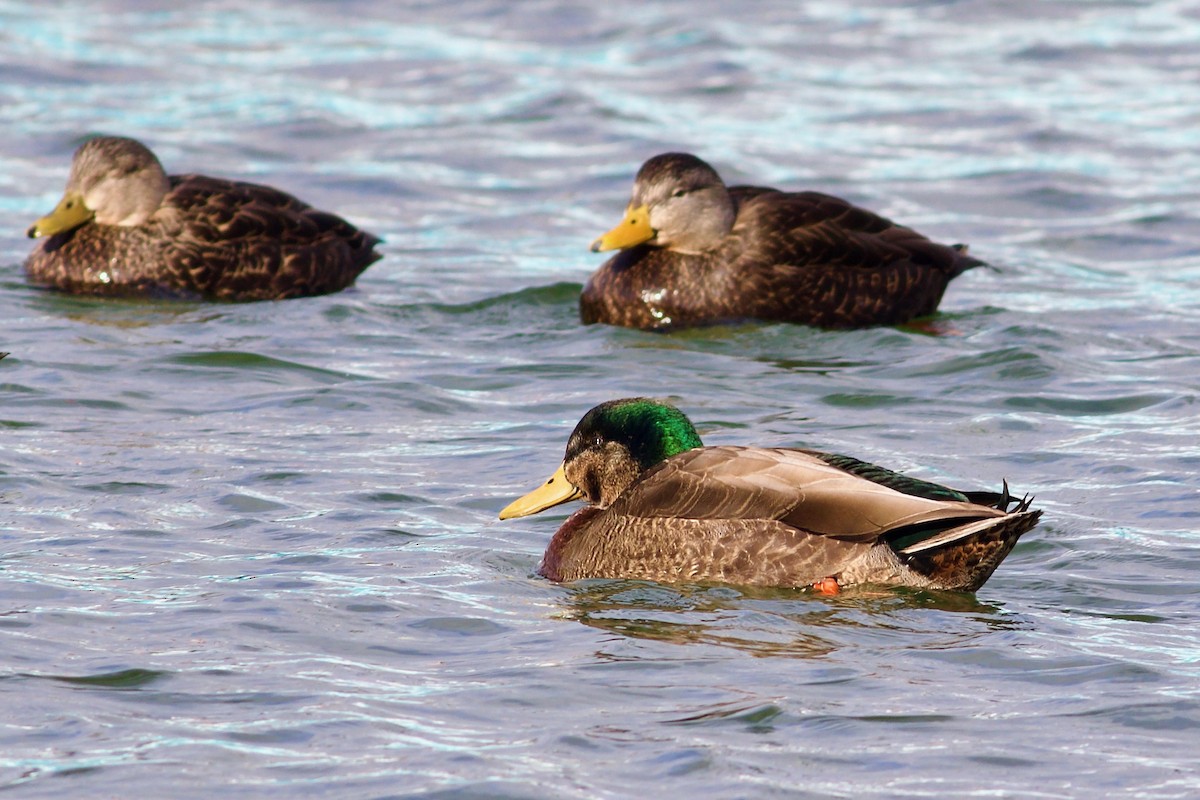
(251,550)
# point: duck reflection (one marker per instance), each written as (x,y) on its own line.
(780,622)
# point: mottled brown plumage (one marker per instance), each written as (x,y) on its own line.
(189,236)
(758,516)
(717,254)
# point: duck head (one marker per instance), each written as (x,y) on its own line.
(679,202)
(113,181)
(609,449)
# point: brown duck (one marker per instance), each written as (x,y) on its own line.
(123,227)
(695,252)
(663,507)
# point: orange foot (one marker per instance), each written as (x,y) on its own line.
(827,586)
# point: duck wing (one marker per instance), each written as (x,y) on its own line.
(892,479)
(243,241)
(794,487)
(807,228)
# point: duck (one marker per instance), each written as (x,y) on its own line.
(126,228)
(661,506)
(693,252)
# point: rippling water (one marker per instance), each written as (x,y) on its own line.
(251,550)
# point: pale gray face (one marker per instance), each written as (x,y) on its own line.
(119,179)
(690,208)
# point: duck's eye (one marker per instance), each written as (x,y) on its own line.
(70,204)
(678,193)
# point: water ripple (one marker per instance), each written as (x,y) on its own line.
(260,540)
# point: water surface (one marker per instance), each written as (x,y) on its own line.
(251,550)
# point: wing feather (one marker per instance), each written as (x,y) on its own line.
(790,486)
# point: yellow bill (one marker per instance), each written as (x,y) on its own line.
(551,493)
(70,213)
(634,229)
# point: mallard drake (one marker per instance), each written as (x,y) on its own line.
(695,252)
(123,227)
(663,507)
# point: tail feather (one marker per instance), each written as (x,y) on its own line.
(965,260)
(965,556)
(1000,500)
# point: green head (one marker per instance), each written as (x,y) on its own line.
(650,430)
(610,448)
